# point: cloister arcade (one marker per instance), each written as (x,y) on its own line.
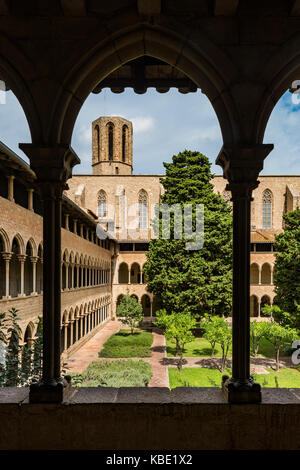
(131,273)
(21,268)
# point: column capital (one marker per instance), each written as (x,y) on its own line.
(22,257)
(34,259)
(242,165)
(52,164)
(7,256)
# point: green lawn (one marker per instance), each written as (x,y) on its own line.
(203,377)
(125,344)
(122,373)
(200,347)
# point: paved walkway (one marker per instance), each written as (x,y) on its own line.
(78,361)
(258,365)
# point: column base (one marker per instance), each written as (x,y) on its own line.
(48,393)
(238,391)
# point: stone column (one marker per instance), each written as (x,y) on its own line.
(22,259)
(66,336)
(75,226)
(258,307)
(30,199)
(53,167)
(67,221)
(10,188)
(259,275)
(272,275)
(67,275)
(72,275)
(129,271)
(241,168)
(7,257)
(34,260)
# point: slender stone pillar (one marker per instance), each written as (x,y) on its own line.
(53,167)
(67,221)
(30,199)
(259,275)
(67,275)
(75,226)
(34,260)
(10,188)
(7,257)
(241,168)
(22,259)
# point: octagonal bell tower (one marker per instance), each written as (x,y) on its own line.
(112,146)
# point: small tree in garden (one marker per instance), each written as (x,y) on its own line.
(130,312)
(210,325)
(224,338)
(257,332)
(163,321)
(178,327)
(281,338)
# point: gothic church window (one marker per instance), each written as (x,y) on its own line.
(102,204)
(110,141)
(143,212)
(267,210)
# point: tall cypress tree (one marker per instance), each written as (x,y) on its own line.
(194,281)
(287,268)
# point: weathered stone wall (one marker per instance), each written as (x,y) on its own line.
(150,418)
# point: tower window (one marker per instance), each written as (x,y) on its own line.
(97,132)
(124,142)
(110,141)
(267,210)
(143,213)
(102,204)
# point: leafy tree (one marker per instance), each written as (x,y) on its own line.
(280,337)
(275,312)
(257,332)
(130,312)
(178,327)
(287,268)
(223,334)
(210,325)
(186,280)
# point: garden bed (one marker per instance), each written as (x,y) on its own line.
(114,374)
(125,344)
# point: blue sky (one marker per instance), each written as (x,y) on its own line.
(164,124)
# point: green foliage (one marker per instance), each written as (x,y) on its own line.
(125,344)
(287,268)
(257,333)
(130,311)
(275,312)
(210,324)
(193,281)
(114,374)
(280,337)
(177,326)
(19,365)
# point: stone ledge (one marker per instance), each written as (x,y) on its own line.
(151,395)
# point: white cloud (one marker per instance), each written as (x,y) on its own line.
(84,134)
(142,124)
